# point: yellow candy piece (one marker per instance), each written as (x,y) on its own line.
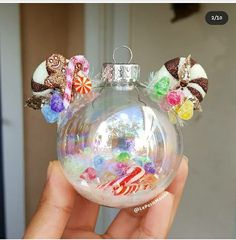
(172,117)
(185,112)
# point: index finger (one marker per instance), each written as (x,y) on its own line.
(55,206)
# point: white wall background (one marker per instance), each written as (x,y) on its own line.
(12,114)
(208,208)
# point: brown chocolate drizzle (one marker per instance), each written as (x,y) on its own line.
(35,102)
(183,83)
(37,87)
(172,67)
(203,82)
(196,93)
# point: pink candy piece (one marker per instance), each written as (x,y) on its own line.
(70,71)
(164,105)
(174,97)
(89,174)
(121,168)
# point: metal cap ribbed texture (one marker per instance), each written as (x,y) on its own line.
(120,73)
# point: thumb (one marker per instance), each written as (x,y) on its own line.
(55,206)
(155,224)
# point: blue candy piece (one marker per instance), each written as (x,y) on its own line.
(150,167)
(141,161)
(49,115)
(56,102)
(138,161)
(98,162)
(125,144)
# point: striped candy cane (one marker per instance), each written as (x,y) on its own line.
(134,173)
(126,185)
(70,71)
(125,190)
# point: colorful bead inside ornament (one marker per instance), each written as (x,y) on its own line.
(89,174)
(150,167)
(123,157)
(121,168)
(142,160)
(98,162)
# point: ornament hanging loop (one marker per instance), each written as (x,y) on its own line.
(118,48)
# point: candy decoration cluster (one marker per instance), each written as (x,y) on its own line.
(55,82)
(179,86)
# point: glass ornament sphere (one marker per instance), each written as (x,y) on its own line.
(117,147)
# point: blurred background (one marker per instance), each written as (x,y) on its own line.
(29,33)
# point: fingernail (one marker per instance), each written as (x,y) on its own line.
(49,171)
(186,159)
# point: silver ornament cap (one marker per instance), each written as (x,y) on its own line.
(121,73)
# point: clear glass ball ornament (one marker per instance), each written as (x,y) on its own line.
(119,149)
